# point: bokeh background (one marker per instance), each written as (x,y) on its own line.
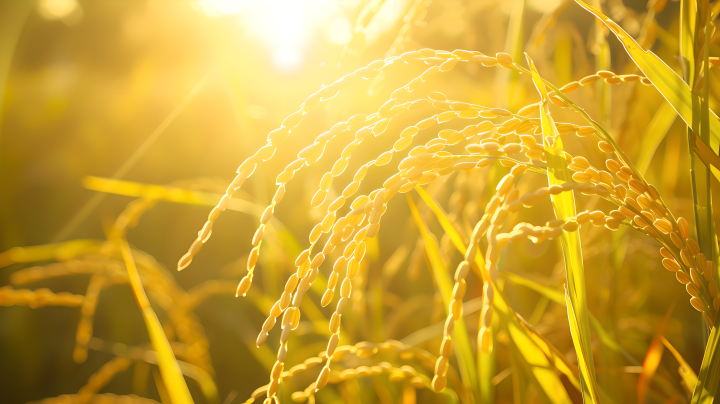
(162,91)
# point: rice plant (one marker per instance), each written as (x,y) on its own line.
(492,224)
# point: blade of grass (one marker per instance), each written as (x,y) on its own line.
(670,85)
(57,251)
(706,387)
(557,297)
(180,195)
(652,358)
(440,272)
(547,381)
(436,330)
(537,364)
(705,153)
(686,372)
(704,216)
(654,134)
(486,372)
(172,377)
(161,389)
(666,81)
(167,193)
(518,376)
(564,206)
(707,383)
(552,294)
(507,81)
(688,11)
(200,376)
(555,356)
(442,218)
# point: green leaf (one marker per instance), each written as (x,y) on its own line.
(57,251)
(172,377)
(558,297)
(654,134)
(564,205)
(167,193)
(530,355)
(440,272)
(688,13)
(703,194)
(707,383)
(666,81)
(518,331)
(685,370)
(442,218)
(552,294)
(555,356)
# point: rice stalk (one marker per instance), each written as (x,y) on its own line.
(313,330)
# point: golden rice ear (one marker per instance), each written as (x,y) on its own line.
(243,286)
(508,139)
(684,228)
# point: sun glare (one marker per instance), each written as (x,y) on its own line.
(232,6)
(68,11)
(340,31)
(285,27)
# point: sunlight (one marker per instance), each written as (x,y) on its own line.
(340,31)
(232,6)
(68,11)
(370,201)
(287,27)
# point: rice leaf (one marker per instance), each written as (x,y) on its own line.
(670,85)
(548,382)
(652,358)
(172,377)
(666,81)
(531,356)
(654,134)
(442,218)
(507,80)
(486,372)
(56,251)
(686,372)
(706,387)
(705,153)
(181,195)
(167,193)
(440,272)
(702,194)
(552,294)
(203,379)
(555,356)
(557,297)
(688,13)
(564,206)
(485,361)
(707,382)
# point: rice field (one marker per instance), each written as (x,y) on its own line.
(359,201)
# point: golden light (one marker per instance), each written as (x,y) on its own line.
(340,31)
(231,6)
(68,11)
(371,183)
(285,28)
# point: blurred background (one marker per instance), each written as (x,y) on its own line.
(180,92)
